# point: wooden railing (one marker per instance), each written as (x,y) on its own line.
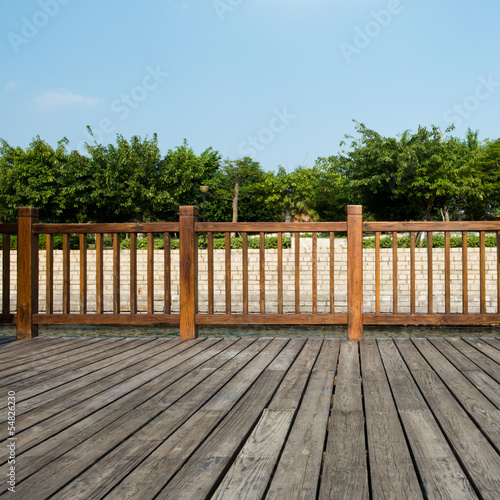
(189,318)
(430,316)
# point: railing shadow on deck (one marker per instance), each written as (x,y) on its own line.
(420,278)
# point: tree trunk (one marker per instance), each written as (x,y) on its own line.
(444,214)
(235,201)
(235,204)
(288,215)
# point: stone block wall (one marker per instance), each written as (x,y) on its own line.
(271,285)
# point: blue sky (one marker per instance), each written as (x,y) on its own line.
(278,80)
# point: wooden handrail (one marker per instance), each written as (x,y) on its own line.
(188,228)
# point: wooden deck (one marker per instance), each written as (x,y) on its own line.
(252,418)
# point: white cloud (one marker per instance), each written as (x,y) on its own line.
(49,99)
(14,84)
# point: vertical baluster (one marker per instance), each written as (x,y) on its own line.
(99,274)
(315,273)
(332,272)
(429,273)
(377,272)
(447,285)
(133,273)
(465,274)
(262,263)
(244,244)
(228,272)
(280,273)
(498,272)
(412,273)
(297,273)
(49,273)
(6,274)
(395,272)
(66,278)
(210,250)
(116,273)
(482,263)
(167,296)
(83,273)
(151,276)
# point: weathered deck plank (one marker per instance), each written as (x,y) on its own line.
(391,468)
(479,459)
(254,418)
(297,474)
(345,474)
(439,469)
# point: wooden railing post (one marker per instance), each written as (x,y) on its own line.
(355,272)
(27,272)
(188,256)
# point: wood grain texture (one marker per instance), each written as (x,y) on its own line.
(395,273)
(280,273)
(482,272)
(465,274)
(145,227)
(440,472)
(430,296)
(298,471)
(271,319)
(447,267)
(5,274)
(345,473)
(227,254)
(250,473)
(133,273)
(188,258)
(151,274)
(314,277)
(262,273)
(249,418)
(483,412)
(167,272)
(478,457)
(412,273)
(391,467)
(271,227)
(116,273)
(332,272)
(432,226)
(297,272)
(354,272)
(66,273)
(83,275)
(377,272)
(99,269)
(27,272)
(244,256)
(49,273)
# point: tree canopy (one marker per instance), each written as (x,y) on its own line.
(422,175)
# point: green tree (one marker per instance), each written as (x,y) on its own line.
(292,194)
(411,177)
(33,177)
(332,193)
(180,175)
(123,180)
(235,190)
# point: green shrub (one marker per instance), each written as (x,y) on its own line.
(438,241)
